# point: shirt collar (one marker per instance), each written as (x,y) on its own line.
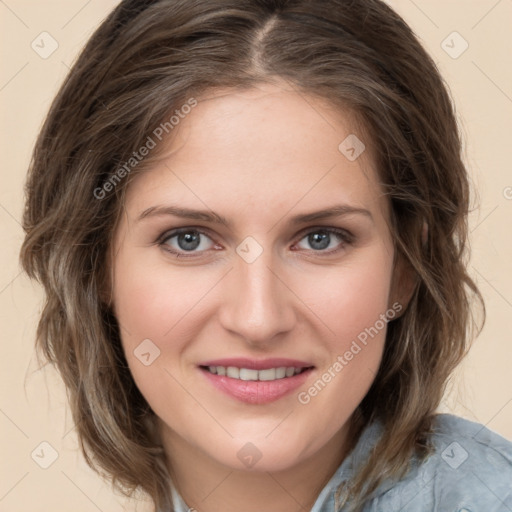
(367,440)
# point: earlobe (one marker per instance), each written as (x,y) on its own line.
(424,235)
(405,281)
(105,288)
(105,294)
(105,298)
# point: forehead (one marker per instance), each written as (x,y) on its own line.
(270,145)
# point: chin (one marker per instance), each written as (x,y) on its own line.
(261,455)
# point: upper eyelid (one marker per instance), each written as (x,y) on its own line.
(176,231)
(330,229)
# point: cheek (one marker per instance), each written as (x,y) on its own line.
(151,307)
(153,302)
(349,299)
(160,311)
(352,309)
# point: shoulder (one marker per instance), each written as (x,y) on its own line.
(474,435)
(470,469)
(471,446)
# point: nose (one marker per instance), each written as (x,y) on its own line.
(257,304)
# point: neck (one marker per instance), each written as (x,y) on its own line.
(209,486)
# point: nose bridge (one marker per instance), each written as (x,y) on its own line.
(257,304)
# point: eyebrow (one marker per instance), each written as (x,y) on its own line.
(214,218)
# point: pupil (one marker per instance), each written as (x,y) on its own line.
(188,241)
(319,240)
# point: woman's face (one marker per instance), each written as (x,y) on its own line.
(259,248)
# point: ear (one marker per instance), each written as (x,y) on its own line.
(105,293)
(405,279)
(403,285)
(424,235)
(105,281)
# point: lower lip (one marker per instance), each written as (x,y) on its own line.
(257,391)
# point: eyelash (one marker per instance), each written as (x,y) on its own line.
(345,237)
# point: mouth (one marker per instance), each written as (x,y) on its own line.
(256,382)
(248,374)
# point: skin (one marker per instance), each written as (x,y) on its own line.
(256,157)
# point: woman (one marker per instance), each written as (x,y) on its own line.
(250,222)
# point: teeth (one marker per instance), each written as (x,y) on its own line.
(233,372)
(269,374)
(248,374)
(280,372)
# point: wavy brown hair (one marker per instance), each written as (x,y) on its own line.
(144,62)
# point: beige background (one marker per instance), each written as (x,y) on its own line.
(33,404)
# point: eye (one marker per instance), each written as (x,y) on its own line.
(190,242)
(327,240)
(187,240)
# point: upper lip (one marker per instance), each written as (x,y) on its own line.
(257,364)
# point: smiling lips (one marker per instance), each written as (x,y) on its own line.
(256,382)
(247,374)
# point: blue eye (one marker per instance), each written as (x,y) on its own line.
(191,242)
(186,240)
(322,239)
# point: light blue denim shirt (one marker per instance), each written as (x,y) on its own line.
(470,471)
